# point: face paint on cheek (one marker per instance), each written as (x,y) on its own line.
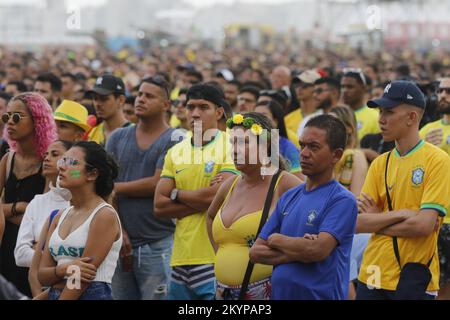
(75,173)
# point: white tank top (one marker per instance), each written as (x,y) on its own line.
(72,247)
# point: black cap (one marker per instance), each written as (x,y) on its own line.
(108,84)
(399,92)
(186,66)
(207,92)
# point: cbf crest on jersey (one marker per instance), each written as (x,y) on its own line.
(209,167)
(359,125)
(311,217)
(417,176)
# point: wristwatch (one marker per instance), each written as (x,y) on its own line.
(174,195)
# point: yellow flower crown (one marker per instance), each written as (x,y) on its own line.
(247,123)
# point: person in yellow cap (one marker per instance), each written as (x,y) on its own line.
(71,121)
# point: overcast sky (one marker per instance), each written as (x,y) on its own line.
(199,3)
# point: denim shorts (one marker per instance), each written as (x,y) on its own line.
(96,291)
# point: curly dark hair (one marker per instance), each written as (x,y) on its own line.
(97,158)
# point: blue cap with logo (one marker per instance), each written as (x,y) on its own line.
(400,92)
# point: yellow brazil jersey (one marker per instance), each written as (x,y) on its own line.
(343,171)
(367,121)
(193,168)
(174,121)
(418,180)
(292,136)
(293,120)
(97,134)
(175,93)
(445,145)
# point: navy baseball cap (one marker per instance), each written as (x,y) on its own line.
(399,92)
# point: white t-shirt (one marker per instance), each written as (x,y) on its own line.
(36,214)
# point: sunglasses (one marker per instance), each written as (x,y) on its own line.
(320,90)
(357,71)
(160,82)
(16,117)
(177,102)
(70,162)
(442,90)
(268,93)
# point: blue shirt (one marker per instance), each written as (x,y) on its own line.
(329,208)
(291,154)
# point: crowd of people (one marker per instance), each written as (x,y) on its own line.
(191,174)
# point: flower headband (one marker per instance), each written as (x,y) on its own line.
(247,123)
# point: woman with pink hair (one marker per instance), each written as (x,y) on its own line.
(29,130)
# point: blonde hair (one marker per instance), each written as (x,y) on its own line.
(347,116)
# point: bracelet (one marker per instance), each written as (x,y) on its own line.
(56,274)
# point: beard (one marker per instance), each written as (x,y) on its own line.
(325,104)
(444,107)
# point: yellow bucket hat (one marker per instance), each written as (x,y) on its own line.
(70,111)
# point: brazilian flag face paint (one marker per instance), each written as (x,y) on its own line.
(75,173)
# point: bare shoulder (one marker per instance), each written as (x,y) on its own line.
(225,188)
(359,155)
(287,182)
(106,214)
(226,185)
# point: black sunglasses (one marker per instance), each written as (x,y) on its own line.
(320,90)
(16,117)
(160,82)
(177,102)
(268,92)
(442,90)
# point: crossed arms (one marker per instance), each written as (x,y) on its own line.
(281,249)
(188,201)
(400,223)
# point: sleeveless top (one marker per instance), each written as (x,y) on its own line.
(72,247)
(234,244)
(23,190)
(343,171)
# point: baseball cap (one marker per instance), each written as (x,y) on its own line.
(308,76)
(108,84)
(226,74)
(207,92)
(75,113)
(399,92)
(185,66)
